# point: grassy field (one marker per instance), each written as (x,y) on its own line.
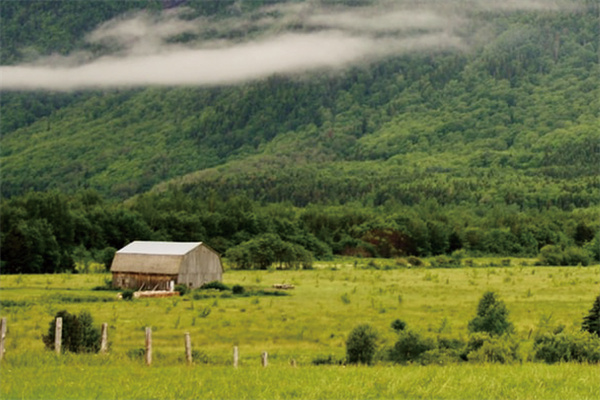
(313,320)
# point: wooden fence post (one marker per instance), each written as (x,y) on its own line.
(2,337)
(188,348)
(104,340)
(58,335)
(235,356)
(148,346)
(264,358)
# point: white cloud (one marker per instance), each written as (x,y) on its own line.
(284,39)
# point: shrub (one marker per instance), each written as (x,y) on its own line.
(78,333)
(444,261)
(398,325)
(361,345)
(238,289)
(215,285)
(565,347)
(492,316)
(498,349)
(410,346)
(414,261)
(557,255)
(127,294)
(182,289)
(327,360)
(591,322)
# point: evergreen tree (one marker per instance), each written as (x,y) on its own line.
(591,322)
(492,316)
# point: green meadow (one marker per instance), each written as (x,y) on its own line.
(308,322)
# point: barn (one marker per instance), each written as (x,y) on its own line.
(145,265)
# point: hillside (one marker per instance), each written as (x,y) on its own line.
(494,108)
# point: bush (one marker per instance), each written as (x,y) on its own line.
(492,316)
(565,347)
(398,325)
(215,285)
(78,333)
(414,261)
(559,256)
(182,289)
(361,345)
(327,360)
(127,294)
(485,348)
(238,289)
(410,346)
(591,322)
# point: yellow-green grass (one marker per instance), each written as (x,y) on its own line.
(314,320)
(127,381)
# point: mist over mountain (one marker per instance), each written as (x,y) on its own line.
(446,110)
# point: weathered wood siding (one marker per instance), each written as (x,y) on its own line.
(137,281)
(200,266)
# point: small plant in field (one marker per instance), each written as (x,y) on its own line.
(345,298)
(398,325)
(127,294)
(238,289)
(492,316)
(361,345)
(215,285)
(327,360)
(205,312)
(591,322)
(78,333)
(182,289)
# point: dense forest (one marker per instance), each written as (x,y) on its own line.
(489,150)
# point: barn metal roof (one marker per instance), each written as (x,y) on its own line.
(159,248)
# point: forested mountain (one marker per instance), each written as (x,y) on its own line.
(488,146)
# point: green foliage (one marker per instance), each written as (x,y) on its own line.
(217,285)
(398,325)
(556,255)
(327,360)
(486,152)
(492,316)
(78,333)
(182,289)
(238,289)
(127,294)
(267,249)
(583,347)
(410,346)
(361,345)
(482,347)
(591,322)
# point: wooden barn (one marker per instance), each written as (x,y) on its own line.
(161,265)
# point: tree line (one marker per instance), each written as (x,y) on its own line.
(46,232)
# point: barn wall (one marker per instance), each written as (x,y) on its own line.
(136,281)
(200,266)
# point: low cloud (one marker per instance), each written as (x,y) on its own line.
(285,39)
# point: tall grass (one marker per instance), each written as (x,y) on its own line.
(131,381)
(311,322)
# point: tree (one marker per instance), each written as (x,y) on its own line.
(492,316)
(361,345)
(78,333)
(410,346)
(591,322)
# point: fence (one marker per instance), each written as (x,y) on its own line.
(147,351)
